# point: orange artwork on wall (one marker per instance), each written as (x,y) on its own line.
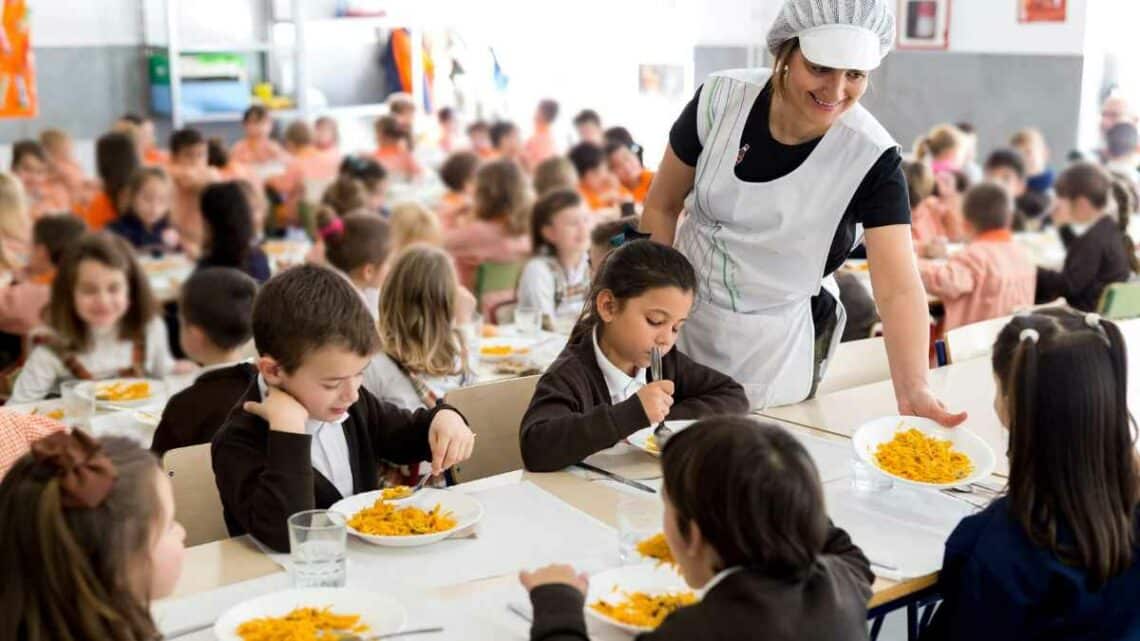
(1042,11)
(17,66)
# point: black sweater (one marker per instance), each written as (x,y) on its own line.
(1092,261)
(195,414)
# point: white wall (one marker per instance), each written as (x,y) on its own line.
(85,23)
(991,26)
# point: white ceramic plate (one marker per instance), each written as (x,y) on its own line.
(157,393)
(520,348)
(881,430)
(383,614)
(466,510)
(610,586)
(640,438)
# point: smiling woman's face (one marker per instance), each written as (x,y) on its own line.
(819,94)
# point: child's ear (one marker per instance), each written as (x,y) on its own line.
(606,305)
(270,370)
(694,541)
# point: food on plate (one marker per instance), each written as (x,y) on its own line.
(395,493)
(651,444)
(490,331)
(915,456)
(302,624)
(385,519)
(496,350)
(655,547)
(122,391)
(644,610)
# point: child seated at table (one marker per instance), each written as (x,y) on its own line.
(145,223)
(218,157)
(412,223)
(1058,555)
(215,309)
(479,137)
(64,169)
(500,226)
(373,177)
(46,193)
(306,165)
(507,142)
(102,320)
(541,145)
(928,224)
(142,129)
(422,355)
(315,339)
(600,189)
(557,279)
(607,236)
(555,173)
(24,299)
(992,276)
(746,522)
(345,194)
(229,232)
(458,175)
(89,540)
(1030,142)
(393,150)
(1006,167)
(191,173)
(116,159)
(257,147)
(357,245)
(598,390)
(1098,250)
(625,164)
(326,136)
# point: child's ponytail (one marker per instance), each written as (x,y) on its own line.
(1123,194)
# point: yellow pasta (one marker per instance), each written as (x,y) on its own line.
(122,391)
(385,519)
(655,547)
(644,610)
(302,624)
(395,493)
(915,456)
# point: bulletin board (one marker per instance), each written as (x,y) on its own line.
(17,65)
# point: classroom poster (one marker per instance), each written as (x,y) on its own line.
(1041,11)
(17,66)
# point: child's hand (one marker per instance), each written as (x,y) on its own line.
(283,412)
(656,399)
(553,575)
(936,249)
(170,238)
(450,439)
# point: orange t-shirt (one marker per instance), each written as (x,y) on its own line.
(155,157)
(599,200)
(641,190)
(398,161)
(99,211)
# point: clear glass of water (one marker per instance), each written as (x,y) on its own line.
(473,335)
(866,479)
(528,321)
(638,518)
(317,549)
(78,403)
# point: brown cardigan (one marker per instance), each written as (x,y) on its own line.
(195,414)
(828,604)
(264,476)
(571,416)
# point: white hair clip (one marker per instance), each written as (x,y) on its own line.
(1092,320)
(1029,334)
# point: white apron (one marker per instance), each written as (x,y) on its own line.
(760,249)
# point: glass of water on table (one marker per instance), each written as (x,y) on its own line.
(528,321)
(317,547)
(78,399)
(638,518)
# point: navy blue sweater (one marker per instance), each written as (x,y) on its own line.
(998,585)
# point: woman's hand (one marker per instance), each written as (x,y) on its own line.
(923,403)
(553,575)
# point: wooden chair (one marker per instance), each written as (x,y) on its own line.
(1120,301)
(975,340)
(495,412)
(197,505)
(856,363)
(495,283)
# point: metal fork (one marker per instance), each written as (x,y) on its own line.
(660,433)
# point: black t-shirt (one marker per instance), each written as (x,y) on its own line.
(881,198)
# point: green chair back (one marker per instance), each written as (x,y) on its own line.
(1120,301)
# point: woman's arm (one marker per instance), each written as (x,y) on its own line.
(666,199)
(906,321)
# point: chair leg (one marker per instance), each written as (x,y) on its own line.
(877,627)
(912,621)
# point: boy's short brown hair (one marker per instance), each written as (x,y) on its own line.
(305,308)
(753,491)
(988,206)
(218,301)
(299,133)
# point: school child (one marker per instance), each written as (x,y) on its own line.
(90,540)
(116,159)
(422,354)
(448,130)
(24,299)
(1098,250)
(600,189)
(625,164)
(1006,167)
(943,148)
(557,280)
(598,390)
(218,157)
(1058,554)
(1030,142)
(345,194)
(393,150)
(191,173)
(46,194)
(479,137)
(306,165)
(15,222)
(103,322)
(326,136)
(314,338)
(607,236)
(257,148)
(412,223)
(458,175)
(507,142)
(992,276)
(541,144)
(588,125)
(142,129)
(499,229)
(64,169)
(357,245)
(374,179)
(230,238)
(215,308)
(555,173)
(771,566)
(145,223)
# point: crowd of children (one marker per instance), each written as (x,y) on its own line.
(328,378)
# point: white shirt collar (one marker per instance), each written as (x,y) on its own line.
(212,368)
(620,385)
(717,578)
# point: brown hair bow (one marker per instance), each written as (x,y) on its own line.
(85,473)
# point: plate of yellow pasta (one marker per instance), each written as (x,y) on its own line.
(428,516)
(313,614)
(645,441)
(127,392)
(920,452)
(637,598)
